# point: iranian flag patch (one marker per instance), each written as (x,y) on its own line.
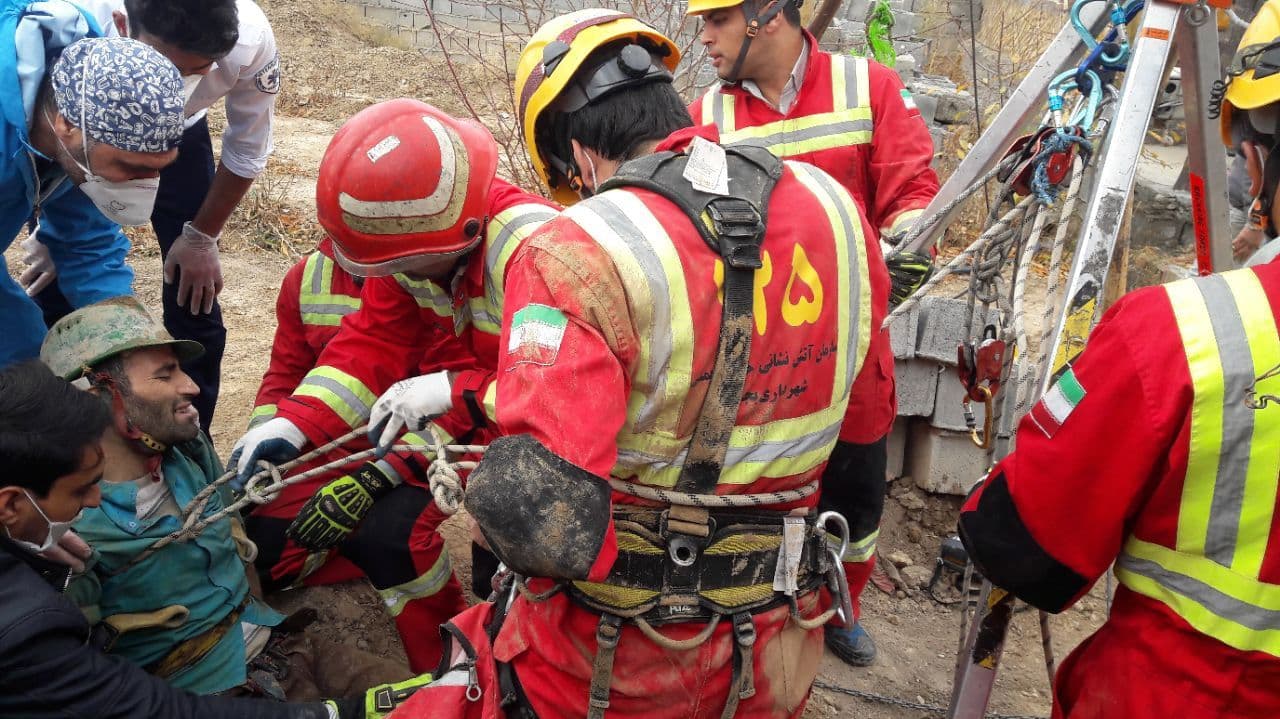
(907,100)
(1058,403)
(536,333)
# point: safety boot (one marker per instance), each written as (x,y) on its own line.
(853,645)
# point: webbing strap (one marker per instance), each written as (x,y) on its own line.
(607,633)
(734,228)
(743,684)
(701,471)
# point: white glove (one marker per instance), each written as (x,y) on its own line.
(40,271)
(70,550)
(196,255)
(408,405)
(276,441)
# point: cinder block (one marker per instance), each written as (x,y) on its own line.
(902,334)
(856,10)
(943,462)
(916,383)
(906,67)
(906,23)
(948,407)
(943,322)
(469,10)
(897,449)
(928,107)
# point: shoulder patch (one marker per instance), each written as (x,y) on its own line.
(909,101)
(1056,406)
(536,334)
(268,78)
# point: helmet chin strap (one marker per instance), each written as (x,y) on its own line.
(149,447)
(1260,213)
(761,19)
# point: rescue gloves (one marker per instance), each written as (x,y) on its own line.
(541,515)
(908,271)
(276,441)
(334,512)
(408,406)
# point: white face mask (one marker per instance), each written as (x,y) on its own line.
(189,85)
(126,203)
(57,530)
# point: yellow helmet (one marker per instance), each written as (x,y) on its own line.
(698,7)
(1254,75)
(553,56)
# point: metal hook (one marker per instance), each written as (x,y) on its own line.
(983,440)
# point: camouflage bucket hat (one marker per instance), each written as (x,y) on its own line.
(92,334)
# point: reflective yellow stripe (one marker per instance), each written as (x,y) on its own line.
(649,266)
(1238,611)
(857,551)
(316,301)
(1206,415)
(839,86)
(490,401)
(503,236)
(261,414)
(708,104)
(810,133)
(427,294)
(901,223)
(1261,482)
(395,598)
(1228,497)
(863,81)
(854,300)
(347,396)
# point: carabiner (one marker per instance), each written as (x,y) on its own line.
(983,440)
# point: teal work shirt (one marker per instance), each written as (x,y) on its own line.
(205,574)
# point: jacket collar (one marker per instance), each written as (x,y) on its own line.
(56,574)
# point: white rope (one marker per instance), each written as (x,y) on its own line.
(267,484)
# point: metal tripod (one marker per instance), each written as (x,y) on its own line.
(1167,30)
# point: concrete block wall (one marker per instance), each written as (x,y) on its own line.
(932,443)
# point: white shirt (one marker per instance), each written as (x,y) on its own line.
(791,90)
(248,77)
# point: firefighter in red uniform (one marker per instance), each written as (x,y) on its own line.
(1186,504)
(409,197)
(853,118)
(398,548)
(694,325)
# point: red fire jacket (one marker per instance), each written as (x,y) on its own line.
(1146,454)
(401,318)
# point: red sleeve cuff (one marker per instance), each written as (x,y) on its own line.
(606,557)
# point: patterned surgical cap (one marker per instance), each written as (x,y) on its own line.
(120,92)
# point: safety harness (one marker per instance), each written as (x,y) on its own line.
(691,564)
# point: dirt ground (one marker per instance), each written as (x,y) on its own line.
(332,68)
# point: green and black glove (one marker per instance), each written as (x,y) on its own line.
(334,512)
(908,271)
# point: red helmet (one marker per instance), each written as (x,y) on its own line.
(402,182)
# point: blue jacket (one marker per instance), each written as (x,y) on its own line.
(205,575)
(88,249)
